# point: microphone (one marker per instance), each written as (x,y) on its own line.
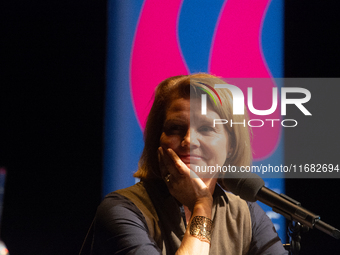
(250,187)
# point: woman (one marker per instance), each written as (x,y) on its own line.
(171,212)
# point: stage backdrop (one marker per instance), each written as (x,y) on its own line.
(151,40)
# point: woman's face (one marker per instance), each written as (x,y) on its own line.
(194,138)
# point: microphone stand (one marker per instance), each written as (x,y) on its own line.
(294,229)
(250,187)
(299,218)
(294,232)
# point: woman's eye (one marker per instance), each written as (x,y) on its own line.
(174,129)
(206,129)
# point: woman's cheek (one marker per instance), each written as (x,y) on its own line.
(171,141)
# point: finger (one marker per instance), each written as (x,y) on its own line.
(193,174)
(168,164)
(160,154)
(181,167)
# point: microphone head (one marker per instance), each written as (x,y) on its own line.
(246,185)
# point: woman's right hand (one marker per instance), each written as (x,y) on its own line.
(182,182)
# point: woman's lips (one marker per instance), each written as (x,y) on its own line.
(187,159)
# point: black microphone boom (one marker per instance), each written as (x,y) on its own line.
(250,187)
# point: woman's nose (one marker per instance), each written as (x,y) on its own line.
(190,139)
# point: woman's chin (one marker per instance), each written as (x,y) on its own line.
(199,171)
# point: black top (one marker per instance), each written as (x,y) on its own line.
(120,228)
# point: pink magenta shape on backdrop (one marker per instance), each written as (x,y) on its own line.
(236,53)
(156,55)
